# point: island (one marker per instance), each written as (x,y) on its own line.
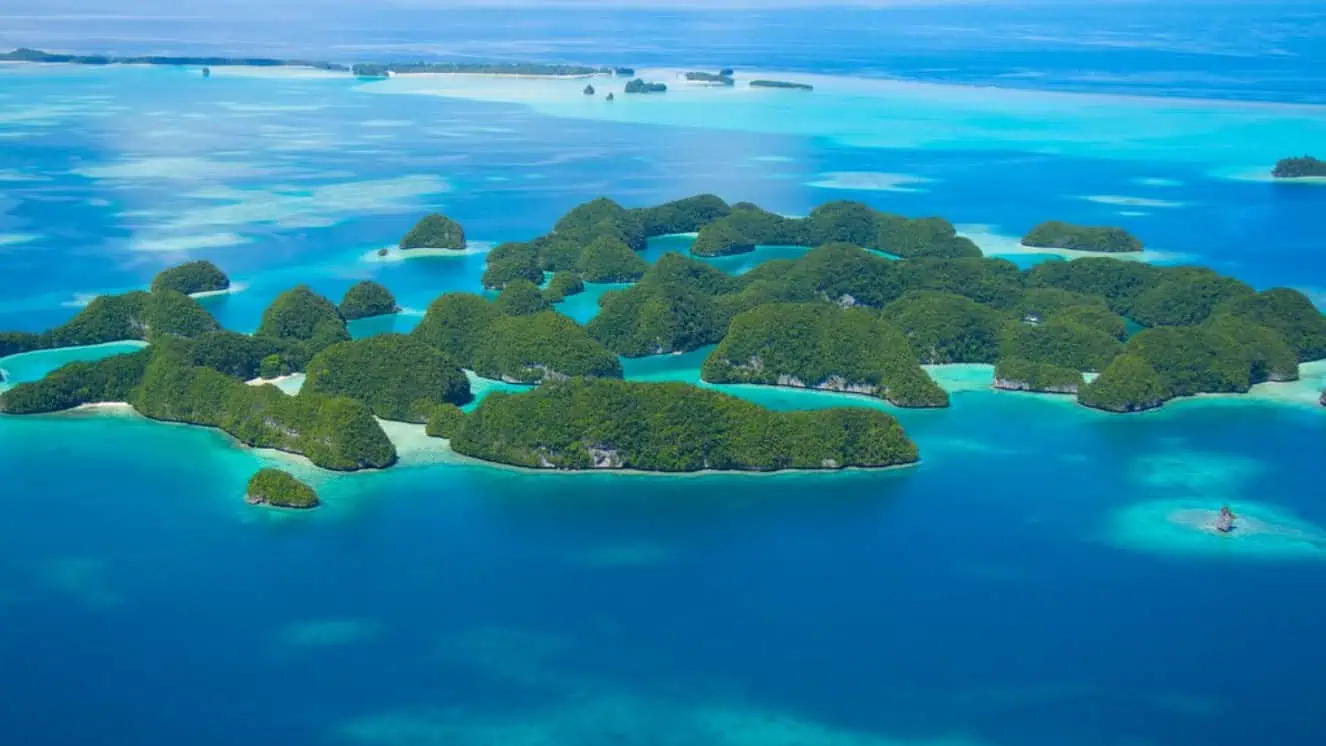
(639,86)
(723,78)
(781,84)
(520,69)
(367,298)
(583,424)
(399,377)
(36,55)
(504,342)
(589,90)
(279,489)
(1016,374)
(1297,168)
(1055,234)
(435,231)
(192,277)
(819,346)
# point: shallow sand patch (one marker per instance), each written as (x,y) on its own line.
(1126,201)
(14,239)
(876,181)
(397,254)
(1186,527)
(996,244)
(183,244)
(290,384)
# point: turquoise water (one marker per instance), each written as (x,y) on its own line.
(1041,577)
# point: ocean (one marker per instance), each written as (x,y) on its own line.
(1030,583)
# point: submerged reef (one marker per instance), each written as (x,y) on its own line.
(1189,527)
(781,84)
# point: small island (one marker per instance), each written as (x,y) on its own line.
(1055,234)
(723,78)
(36,55)
(278,489)
(435,231)
(1298,168)
(639,86)
(519,69)
(781,84)
(367,298)
(589,90)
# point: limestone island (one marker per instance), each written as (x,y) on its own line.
(367,298)
(711,78)
(1054,234)
(36,55)
(1298,168)
(781,84)
(639,86)
(520,69)
(278,489)
(192,277)
(674,427)
(435,231)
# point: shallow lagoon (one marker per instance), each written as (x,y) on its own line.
(1023,585)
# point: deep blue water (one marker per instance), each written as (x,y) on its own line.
(1002,592)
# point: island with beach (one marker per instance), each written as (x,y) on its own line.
(279,489)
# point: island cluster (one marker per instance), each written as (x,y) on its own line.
(874,298)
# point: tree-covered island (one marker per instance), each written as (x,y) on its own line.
(435,231)
(36,55)
(279,489)
(1298,168)
(192,277)
(711,78)
(1055,234)
(607,424)
(367,298)
(639,86)
(781,84)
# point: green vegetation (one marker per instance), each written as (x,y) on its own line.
(1297,168)
(445,421)
(133,315)
(1185,296)
(583,424)
(109,379)
(456,324)
(367,298)
(563,285)
(191,277)
(1119,283)
(238,355)
(539,347)
(521,297)
(702,77)
(280,490)
(994,282)
(333,432)
(36,55)
(781,84)
(947,328)
(721,238)
(1054,234)
(820,346)
(399,377)
(1193,360)
(1288,312)
(303,323)
(1015,374)
(525,348)
(1094,317)
(1128,384)
(683,215)
(174,313)
(1271,356)
(608,259)
(922,237)
(640,86)
(13,343)
(1060,343)
(512,261)
(435,231)
(673,308)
